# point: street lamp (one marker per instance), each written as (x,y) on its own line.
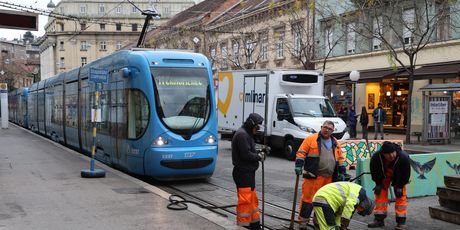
(354,77)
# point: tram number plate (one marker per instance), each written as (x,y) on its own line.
(189,154)
(167,156)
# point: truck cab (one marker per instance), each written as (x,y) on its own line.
(295,117)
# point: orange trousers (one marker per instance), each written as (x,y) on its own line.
(309,188)
(381,204)
(247,208)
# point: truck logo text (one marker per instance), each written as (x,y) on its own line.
(254,97)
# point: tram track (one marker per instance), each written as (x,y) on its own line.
(211,194)
(216,195)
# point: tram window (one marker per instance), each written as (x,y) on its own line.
(122,113)
(71,102)
(138,114)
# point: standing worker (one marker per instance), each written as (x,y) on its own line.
(380,118)
(335,203)
(322,160)
(390,165)
(245,161)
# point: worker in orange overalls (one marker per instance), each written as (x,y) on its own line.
(390,165)
(321,159)
(245,161)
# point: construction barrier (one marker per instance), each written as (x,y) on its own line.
(357,149)
(427,172)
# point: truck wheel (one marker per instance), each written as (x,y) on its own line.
(289,149)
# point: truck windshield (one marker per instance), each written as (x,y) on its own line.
(312,107)
(182,98)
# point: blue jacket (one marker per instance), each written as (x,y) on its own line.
(383,115)
(351,117)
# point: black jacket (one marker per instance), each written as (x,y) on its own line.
(244,155)
(363,119)
(401,168)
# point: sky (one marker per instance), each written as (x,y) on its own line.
(11,34)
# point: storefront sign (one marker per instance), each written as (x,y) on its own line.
(438,107)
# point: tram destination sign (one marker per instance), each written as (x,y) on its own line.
(98,75)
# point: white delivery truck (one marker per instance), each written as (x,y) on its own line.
(291,102)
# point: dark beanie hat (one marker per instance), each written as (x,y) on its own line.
(253,120)
(389,147)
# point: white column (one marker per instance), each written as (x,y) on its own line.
(4,104)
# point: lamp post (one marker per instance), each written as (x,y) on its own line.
(354,77)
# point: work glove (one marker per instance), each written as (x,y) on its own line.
(267,150)
(299,165)
(262,156)
(344,223)
(398,192)
(377,189)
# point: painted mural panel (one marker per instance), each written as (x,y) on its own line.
(356,149)
(427,172)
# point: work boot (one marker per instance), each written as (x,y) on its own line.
(401,227)
(376,224)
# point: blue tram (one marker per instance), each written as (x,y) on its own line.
(158,113)
(17,106)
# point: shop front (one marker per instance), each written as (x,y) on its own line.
(377,86)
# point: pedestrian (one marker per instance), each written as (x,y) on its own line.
(390,164)
(245,161)
(320,161)
(380,118)
(335,203)
(351,122)
(364,121)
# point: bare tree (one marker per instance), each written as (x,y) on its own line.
(404,28)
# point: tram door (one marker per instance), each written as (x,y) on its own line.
(117,117)
(86,125)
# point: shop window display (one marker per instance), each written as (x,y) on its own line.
(394,98)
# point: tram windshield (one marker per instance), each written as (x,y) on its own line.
(182,98)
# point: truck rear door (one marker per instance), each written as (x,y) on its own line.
(255,95)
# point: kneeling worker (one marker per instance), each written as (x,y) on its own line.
(335,203)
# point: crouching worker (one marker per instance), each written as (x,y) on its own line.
(245,161)
(335,203)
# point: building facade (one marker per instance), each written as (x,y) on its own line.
(385,43)
(82,31)
(243,35)
(14,66)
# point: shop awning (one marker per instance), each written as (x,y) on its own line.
(441,87)
(374,74)
(442,69)
(336,76)
(365,75)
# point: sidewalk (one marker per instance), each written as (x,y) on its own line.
(41,188)
(415,146)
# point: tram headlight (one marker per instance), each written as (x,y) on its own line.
(160,141)
(210,139)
